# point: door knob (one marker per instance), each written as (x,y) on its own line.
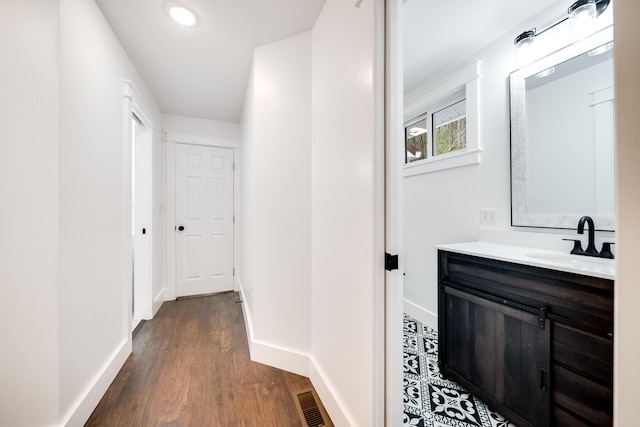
(181,228)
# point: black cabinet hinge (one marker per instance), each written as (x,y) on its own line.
(390,262)
(542,315)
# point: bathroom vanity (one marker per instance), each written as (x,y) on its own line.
(528,331)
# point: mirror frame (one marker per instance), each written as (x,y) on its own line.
(519,215)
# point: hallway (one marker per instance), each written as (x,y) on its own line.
(190,366)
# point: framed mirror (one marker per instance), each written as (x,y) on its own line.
(562,137)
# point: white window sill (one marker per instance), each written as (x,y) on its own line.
(448,161)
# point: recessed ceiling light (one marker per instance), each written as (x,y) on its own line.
(545,73)
(181,14)
(601,49)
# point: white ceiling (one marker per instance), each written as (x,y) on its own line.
(437,33)
(203,71)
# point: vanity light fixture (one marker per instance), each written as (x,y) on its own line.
(524,47)
(181,14)
(582,20)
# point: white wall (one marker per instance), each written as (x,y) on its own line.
(627,292)
(95,207)
(29,214)
(344,212)
(311,207)
(66,256)
(276,203)
(444,206)
(198,126)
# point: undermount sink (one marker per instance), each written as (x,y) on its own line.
(572,259)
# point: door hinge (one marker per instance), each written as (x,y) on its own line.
(234,165)
(234,272)
(390,262)
(542,315)
(234,219)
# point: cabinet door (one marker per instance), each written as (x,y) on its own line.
(500,353)
(582,372)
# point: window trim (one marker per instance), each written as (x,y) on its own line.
(430,98)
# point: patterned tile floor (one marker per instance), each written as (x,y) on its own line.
(429,399)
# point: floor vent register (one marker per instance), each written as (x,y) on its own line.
(311,410)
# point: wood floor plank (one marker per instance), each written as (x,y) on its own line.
(190,366)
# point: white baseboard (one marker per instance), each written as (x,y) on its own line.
(269,354)
(281,358)
(80,412)
(237,283)
(248,324)
(298,363)
(421,314)
(157,303)
(334,406)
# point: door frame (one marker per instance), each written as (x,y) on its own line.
(393,193)
(171,139)
(142,252)
(134,104)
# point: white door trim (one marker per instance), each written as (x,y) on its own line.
(171,139)
(380,277)
(143,218)
(394,149)
(139,106)
(133,103)
(199,139)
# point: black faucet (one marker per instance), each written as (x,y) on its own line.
(591,247)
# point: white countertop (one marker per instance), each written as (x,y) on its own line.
(550,259)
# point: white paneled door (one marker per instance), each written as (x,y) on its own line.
(204,219)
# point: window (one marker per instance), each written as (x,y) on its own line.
(450,129)
(441,123)
(416,140)
(438,133)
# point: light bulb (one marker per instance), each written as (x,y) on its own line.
(182,16)
(582,19)
(524,48)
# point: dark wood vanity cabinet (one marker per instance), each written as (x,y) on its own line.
(535,344)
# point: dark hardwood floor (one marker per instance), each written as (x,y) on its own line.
(190,366)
